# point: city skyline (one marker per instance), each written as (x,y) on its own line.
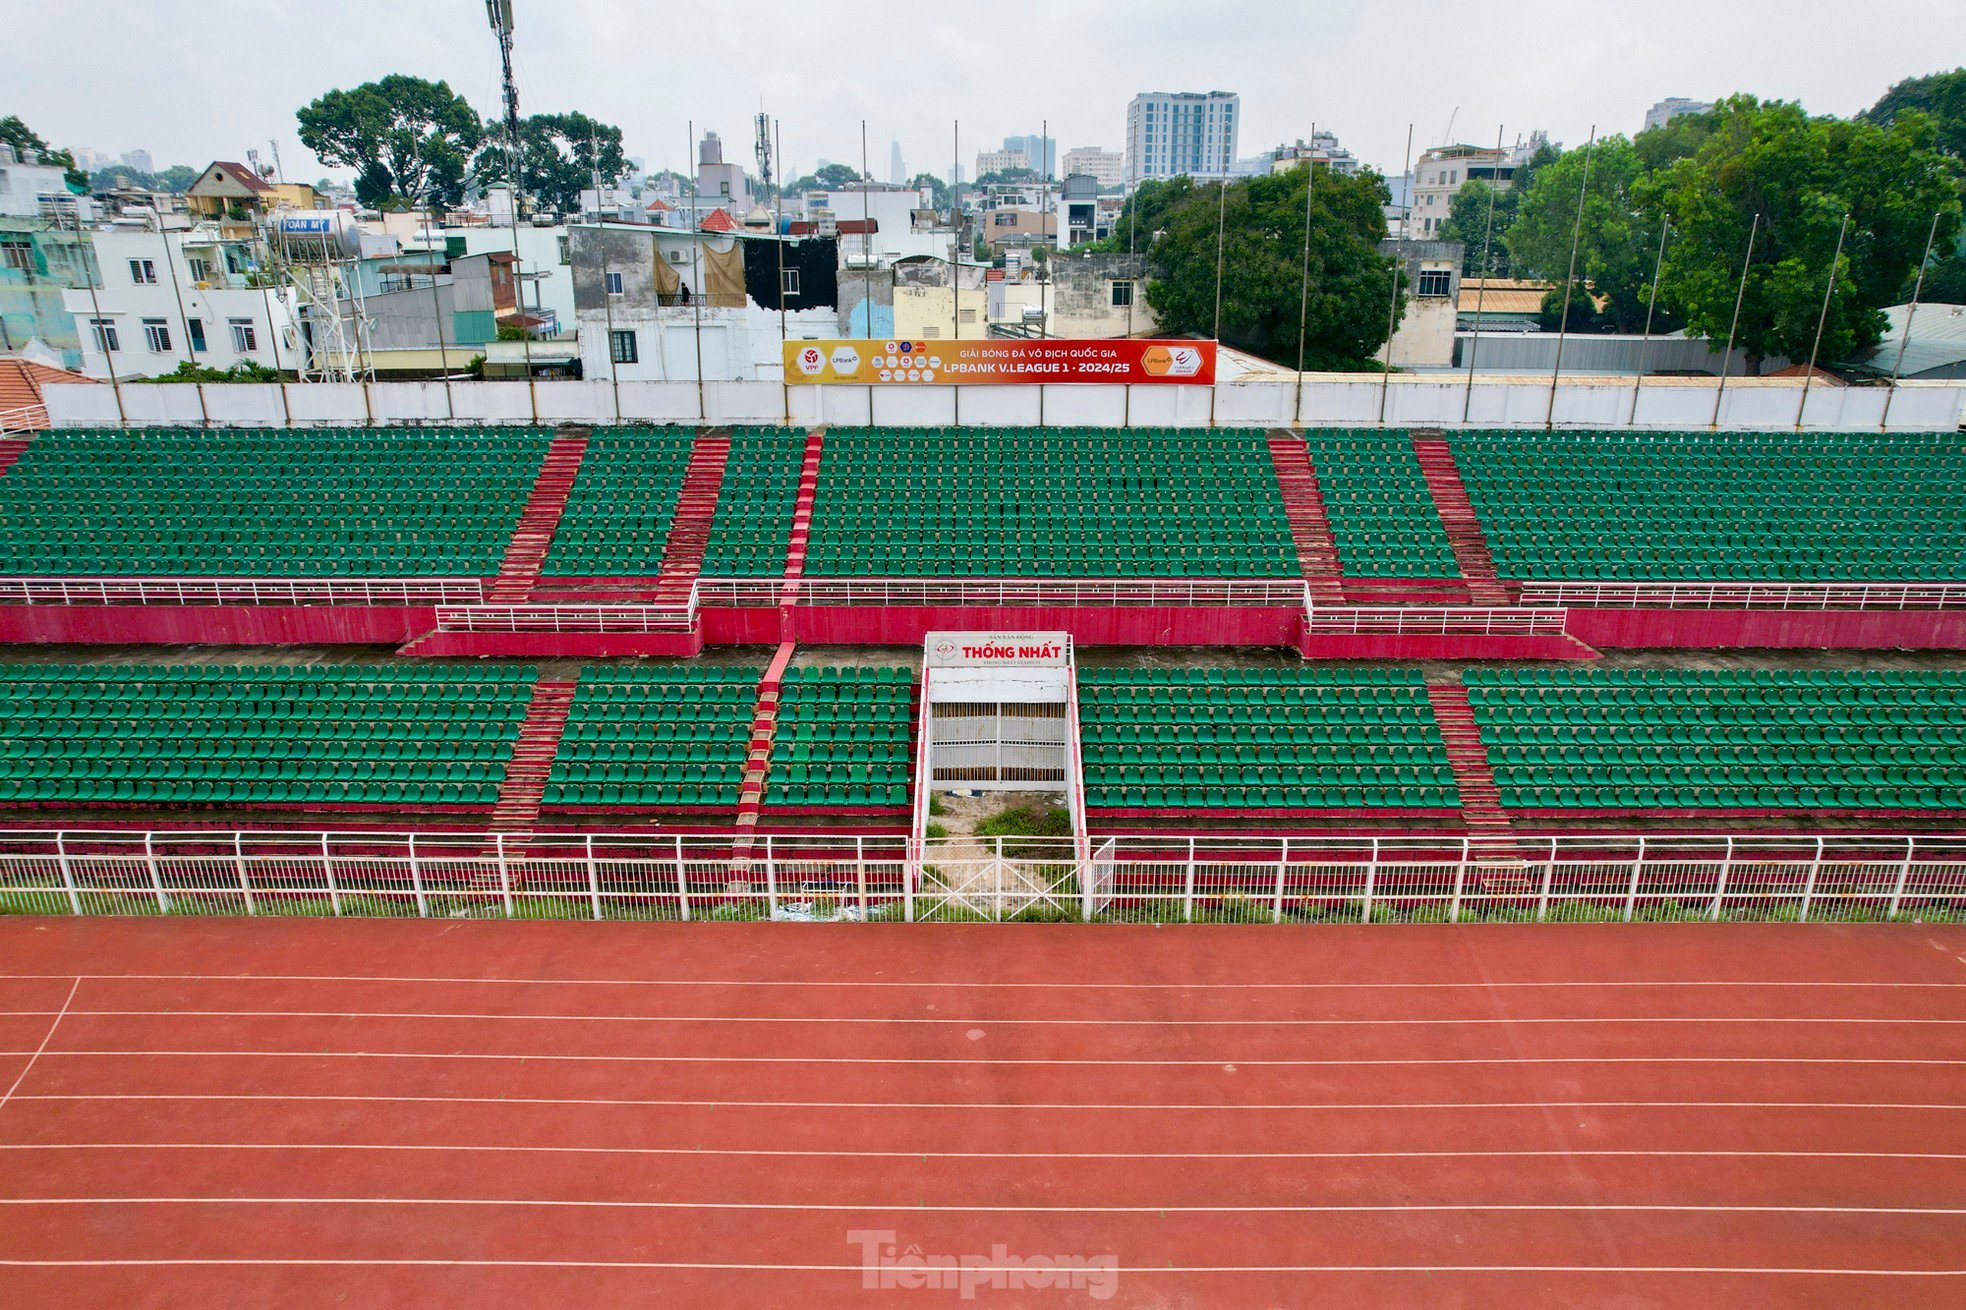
(1292,65)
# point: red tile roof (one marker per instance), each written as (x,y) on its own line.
(239,173)
(20,392)
(718,221)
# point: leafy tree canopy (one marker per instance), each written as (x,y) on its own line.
(402,135)
(559,154)
(176,179)
(1467,217)
(1618,242)
(830,178)
(937,187)
(21,137)
(1345,321)
(1800,176)
(1940,96)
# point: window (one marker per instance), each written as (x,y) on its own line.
(614,283)
(1122,294)
(245,337)
(143,272)
(566,252)
(201,268)
(934,333)
(788,281)
(1435,282)
(105,330)
(195,327)
(622,347)
(17,255)
(156,336)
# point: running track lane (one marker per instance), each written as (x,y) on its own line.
(239,1112)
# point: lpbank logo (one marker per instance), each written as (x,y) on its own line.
(885,1265)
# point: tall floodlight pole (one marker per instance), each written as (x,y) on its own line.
(101,327)
(778,243)
(1917,290)
(1822,321)
(1651,303)
(1392,312)
(1304,292)
(1734,328)
(1487,272)
(500,14)
(1570,279)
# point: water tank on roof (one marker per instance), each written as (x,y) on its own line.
(319,233)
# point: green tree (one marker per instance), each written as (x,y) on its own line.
(1940,96)
(21,137)
(1007,176)
(937,187)
(1800,176)
(1263,276)
(1618,244)
(833,177)
(558,156)
(402,135)
(1467,216)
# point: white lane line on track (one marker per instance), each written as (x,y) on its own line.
(986,984)
(1103,1106)
(938,1020)
(1239,1062)
(34,1058)
(707,1151)
(682,1266)
(850,1207)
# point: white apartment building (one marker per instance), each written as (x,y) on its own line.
(187,295)
(30,186)
(1181,134)
(1106,167)
(1000,161)
(1672,107)
(1444,170)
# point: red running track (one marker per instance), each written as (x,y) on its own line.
(240,1112)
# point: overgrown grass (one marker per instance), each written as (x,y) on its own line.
(1028,821)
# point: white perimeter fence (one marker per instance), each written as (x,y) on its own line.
(1158,879)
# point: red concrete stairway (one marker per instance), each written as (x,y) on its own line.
(1317,549)
(11,449)
(534,536)
(795,549)
(696,510)
(519,796)
(757,761)
(1481,800)
(1457,515)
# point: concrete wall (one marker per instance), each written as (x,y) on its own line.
(1526,352)
(1082,297)
(1335,400)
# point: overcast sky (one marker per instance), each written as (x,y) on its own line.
(193,80)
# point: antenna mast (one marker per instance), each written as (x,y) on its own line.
(764,151)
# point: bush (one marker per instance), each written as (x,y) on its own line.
(1048,821)
(244,371)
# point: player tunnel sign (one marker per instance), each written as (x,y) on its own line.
(997,360)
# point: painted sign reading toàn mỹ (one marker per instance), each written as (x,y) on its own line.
(999,360)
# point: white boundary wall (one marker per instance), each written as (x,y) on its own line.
(1327,400)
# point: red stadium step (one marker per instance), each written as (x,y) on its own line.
(1457,515)
(532,756)
(11,449)
(1474,778)
(534,535)
(696,509)
(1317,549)
(757,761)
(795,549)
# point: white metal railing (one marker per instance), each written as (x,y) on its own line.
(1100,593)
(22,419)
(240,591)
(1748,595)
(1306,878)
(569,618)
(1433,620)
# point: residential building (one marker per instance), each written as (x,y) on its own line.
(1000,161)
(1106,167)
(197,295)
(926,306)
(1077,215)
(139,160)
(877,225)
(651,302)
(1041,152)
(1443,170)
(30,187)
(38,262)
(1425,337)
(1099,296)
(227,190)
(1322,150)
(1180,133)
(429,311)
(1672,107)
(720,185)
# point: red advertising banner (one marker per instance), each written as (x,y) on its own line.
(997,360)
